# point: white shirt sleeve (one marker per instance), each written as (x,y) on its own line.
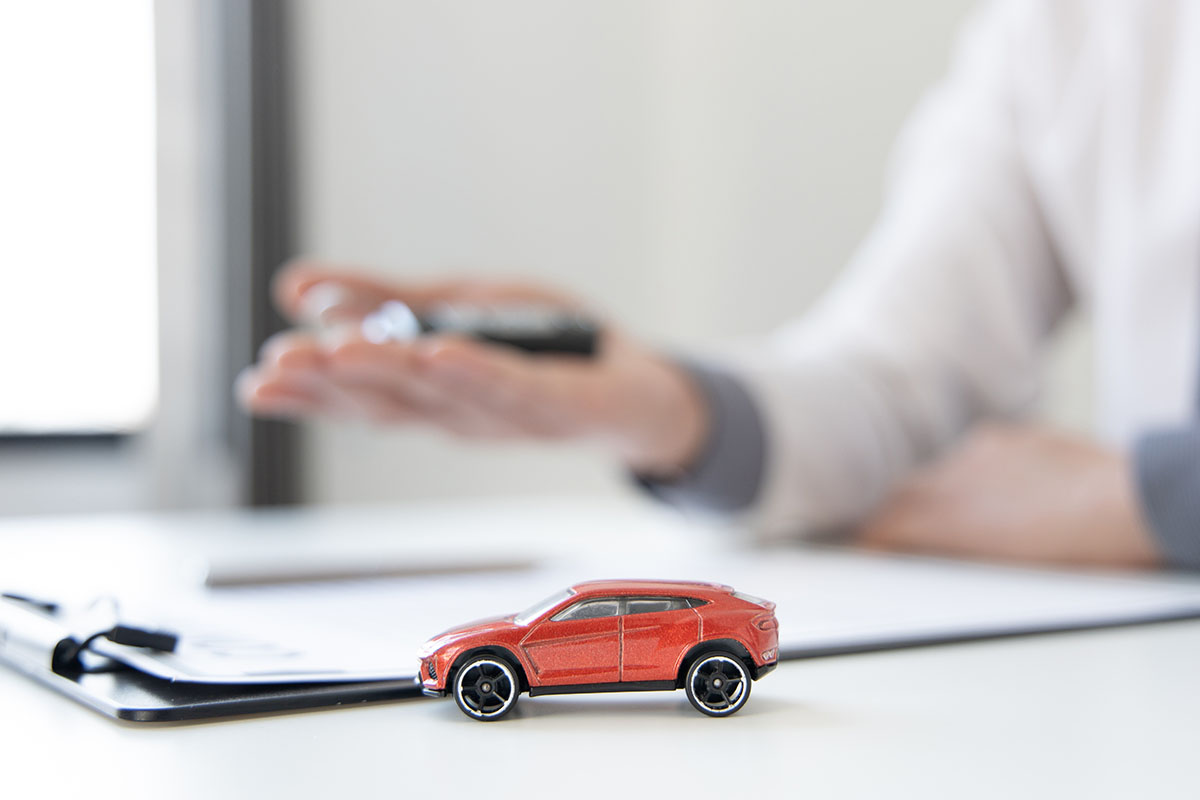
(940,318)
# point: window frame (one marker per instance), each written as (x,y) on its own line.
(683,604)
(224,225)
(561,616)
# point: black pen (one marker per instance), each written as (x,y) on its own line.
(534,329)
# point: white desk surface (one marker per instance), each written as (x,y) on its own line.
(1111,713)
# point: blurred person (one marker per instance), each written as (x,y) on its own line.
(1056,168)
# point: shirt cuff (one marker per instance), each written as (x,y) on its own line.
(727,474)
(1167,464)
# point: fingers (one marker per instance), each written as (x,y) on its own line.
(280,383)
(397,372)
(315,291)
(273,393)
(291,380)
(312,291)
(893,528)
(928,511)
(265,397)
(297,375)
(294,351)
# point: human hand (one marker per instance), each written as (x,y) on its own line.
(1019,493)
(642,407)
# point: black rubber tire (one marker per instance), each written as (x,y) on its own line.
(497,675)
(708,679)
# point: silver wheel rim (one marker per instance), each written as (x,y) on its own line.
(718,683)
(485,688)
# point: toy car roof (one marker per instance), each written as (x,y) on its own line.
(672,588)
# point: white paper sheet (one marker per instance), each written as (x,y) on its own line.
(827,599)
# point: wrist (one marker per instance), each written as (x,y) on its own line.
(670,423)
(1123,535)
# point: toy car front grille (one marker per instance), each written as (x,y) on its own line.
(432,668)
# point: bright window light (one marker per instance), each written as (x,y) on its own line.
(78,300)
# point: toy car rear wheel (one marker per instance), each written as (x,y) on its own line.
(486,687)
(717,684)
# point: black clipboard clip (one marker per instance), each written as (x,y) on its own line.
(68,652)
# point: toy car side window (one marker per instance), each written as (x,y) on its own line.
(588,609)
(654,605)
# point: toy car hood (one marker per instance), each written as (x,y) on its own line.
(471,629)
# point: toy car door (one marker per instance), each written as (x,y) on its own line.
(578,645)
(656,633)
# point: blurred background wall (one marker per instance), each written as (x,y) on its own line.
(699,169)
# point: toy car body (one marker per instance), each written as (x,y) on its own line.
(610,636)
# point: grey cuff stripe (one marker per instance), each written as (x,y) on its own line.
(729,471)
(1167,464)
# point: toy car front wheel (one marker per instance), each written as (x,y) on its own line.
(486,687)
(718,684)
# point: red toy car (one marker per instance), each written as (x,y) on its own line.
(610,636)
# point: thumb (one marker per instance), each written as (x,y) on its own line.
(314,291)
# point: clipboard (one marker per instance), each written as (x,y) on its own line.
(832,602)
(29,636)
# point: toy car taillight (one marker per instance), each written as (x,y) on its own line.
(766,622)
